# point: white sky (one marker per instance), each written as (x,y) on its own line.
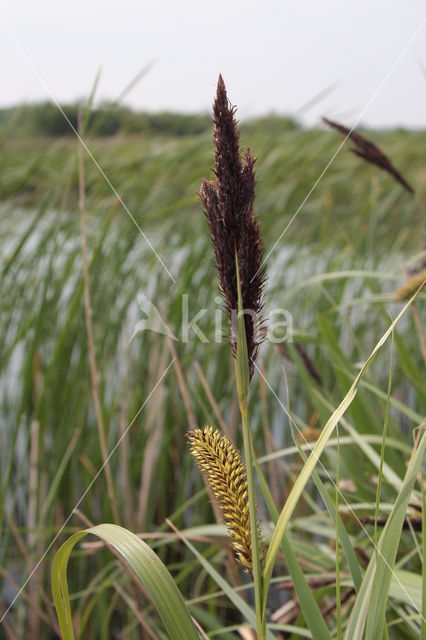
(274,55)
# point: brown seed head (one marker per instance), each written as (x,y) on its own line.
(370,152)
(228,203)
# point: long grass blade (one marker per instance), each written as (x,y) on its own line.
(305,474)
(307,602)
(147,567)
(370,604)
(233,596)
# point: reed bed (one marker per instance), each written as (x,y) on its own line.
(337,269)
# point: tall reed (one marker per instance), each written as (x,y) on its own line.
(237,244)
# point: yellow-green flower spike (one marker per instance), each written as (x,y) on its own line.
(221,464)
(410,287)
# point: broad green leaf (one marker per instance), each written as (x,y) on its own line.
(145,564)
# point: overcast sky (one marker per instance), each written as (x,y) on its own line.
(274,55)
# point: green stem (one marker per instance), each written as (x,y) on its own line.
(242,377)
(257,575)
(382,454)
(379,483)
(338,602)
(424,557)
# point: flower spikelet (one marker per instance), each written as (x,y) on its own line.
(220,462)
(410,287)
(228,203)
(370,152)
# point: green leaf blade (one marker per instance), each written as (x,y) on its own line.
(314,456)
(370,606)
(147,567)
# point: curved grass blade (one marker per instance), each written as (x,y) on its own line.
(147,567)
(307,602)
(391,477)
(424,562)
(370,604)
(333,511)
(233,596)
(310,464)
(406,587)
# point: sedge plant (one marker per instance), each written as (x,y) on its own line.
(237,244)
(229,206)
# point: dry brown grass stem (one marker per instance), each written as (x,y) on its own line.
(211,399)
(154,426)
(29,557)
(124,458)
(135,609)
(34,585)
(89,328)
(9,628)
(32,603)
(183,389)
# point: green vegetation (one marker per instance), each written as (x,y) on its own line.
(335,270)
(45,119)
